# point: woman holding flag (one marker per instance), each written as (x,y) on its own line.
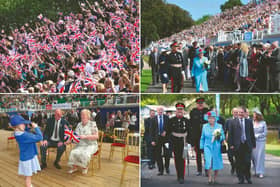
(87,146)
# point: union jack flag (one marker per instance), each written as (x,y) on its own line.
(70,135)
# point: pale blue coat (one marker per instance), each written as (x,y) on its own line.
(243,68)
(212,151)
(200,73)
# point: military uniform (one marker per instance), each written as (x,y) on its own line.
(176,66)
(197,121)
(178,127)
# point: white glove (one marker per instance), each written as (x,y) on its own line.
(183,74)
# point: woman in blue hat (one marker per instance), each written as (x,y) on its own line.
(199,71)
(28,161)
(211,138)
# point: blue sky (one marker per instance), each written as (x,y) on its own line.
(199,8)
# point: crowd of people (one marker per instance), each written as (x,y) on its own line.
(251,17)
(96,50)
(240,136)
(238,67)
(31,101)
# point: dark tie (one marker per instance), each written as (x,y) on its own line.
(160,124)
(55,129)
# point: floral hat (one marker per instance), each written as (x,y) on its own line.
(199,50)
(210,114)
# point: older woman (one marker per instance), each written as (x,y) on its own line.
(211,137)
(258,154)
(81,154)
(199,71)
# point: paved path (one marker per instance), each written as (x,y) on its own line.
(214,88)
(272,176)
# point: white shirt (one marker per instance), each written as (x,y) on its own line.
(57,127)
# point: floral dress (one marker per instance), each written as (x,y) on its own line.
(82,152)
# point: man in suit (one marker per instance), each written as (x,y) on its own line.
(99,120)
(241,140)
(275,59)
(230,152)
(160,140)
(54,137)
(154,64)
(148,139)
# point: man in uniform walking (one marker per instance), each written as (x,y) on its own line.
(197,121)
(176,68)
(178,128)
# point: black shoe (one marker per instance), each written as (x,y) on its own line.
(160,173)
(232,171)
(167,171)
(181,181)
(249,181)
(241,182)
(43,166)
(198,173)
(150,167)
(57,165)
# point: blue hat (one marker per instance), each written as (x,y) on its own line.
(17,120)
(210,114)
(199,50)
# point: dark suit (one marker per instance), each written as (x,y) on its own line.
(275,69)
(148,140)
(160,141)
(230,152)
(154,63)
(242,151)
(47,136)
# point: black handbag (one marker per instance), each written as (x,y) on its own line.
(223,148)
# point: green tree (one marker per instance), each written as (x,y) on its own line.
(203,19)
(160,19)
(230,4)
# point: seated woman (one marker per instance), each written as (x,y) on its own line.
(81,154)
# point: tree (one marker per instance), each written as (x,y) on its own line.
(203,19)
(230,4)
(160,19)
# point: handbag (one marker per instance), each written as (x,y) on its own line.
(223,148)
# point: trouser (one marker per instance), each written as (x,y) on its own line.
(243,162)
(230,154)
(198,158)
(176,79)
(158,153)
(150,152)
(155,75)
(178,147)
(59,152)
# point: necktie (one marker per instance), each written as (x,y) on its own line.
(160,124)
(55,129)
(243,131)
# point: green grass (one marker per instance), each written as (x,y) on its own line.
(272,143)
(146,79)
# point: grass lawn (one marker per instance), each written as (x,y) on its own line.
(272,143)
(146,79)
